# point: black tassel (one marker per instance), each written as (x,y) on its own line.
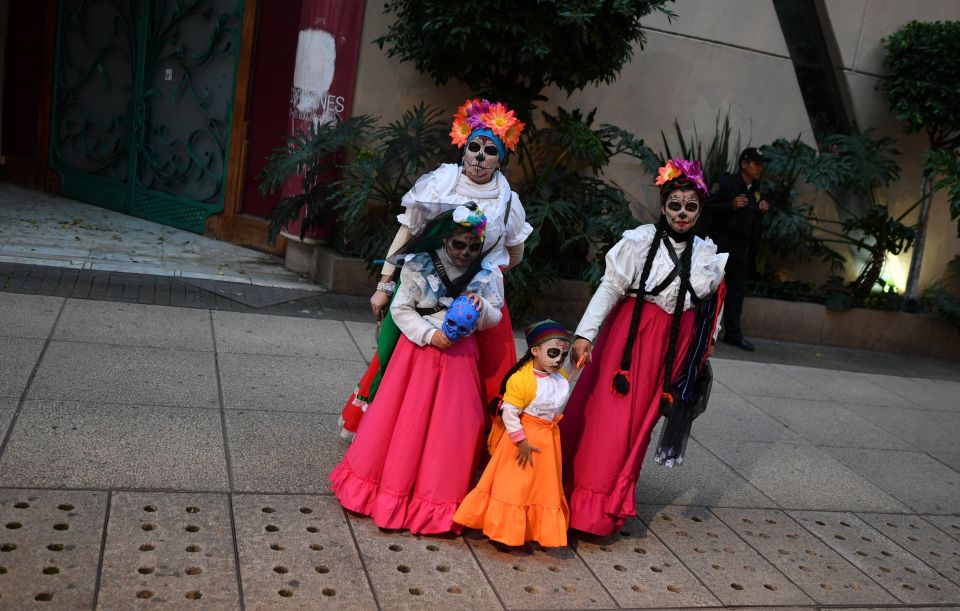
(621,383)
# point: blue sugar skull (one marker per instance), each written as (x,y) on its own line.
(461,319)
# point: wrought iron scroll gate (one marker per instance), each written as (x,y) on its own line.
(143,99)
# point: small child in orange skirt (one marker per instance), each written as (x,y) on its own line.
(519,497)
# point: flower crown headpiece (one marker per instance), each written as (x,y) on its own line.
(474,218)
(682,173)
(494,120)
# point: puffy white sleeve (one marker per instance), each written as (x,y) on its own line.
(706,267)
(404,308)
(420,203)
(622,272)
(517,227)
(511,421)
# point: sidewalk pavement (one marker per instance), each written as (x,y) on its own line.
(40,228)
(179,455)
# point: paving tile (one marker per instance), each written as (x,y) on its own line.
(132,324)
(17,360)
(808,562)
(803,477)
(8,405)
(283,451)
(900,573)
(916,392)
(920,538)
(829,424)
(73,371)
(762,380)
(843,386)
(640,572)
(919,481)
(296,552)
(925,430)
(951,459)
(77,445)
(44,261)
(730,416)
(411,572)
(284,336)
(364,334)
(734,572)
(28,315)
(50,547)
(948,524)
(169,548)
(293,383)
(703,479)
(533,577)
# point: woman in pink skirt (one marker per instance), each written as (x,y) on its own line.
(414,455)
(657,305)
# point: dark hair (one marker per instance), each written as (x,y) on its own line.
(685,259)
(494,403)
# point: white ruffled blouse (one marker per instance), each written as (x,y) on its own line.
(447,187)
(420,287)
(625,264)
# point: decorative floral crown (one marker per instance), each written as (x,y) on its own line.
(474,218)
(680,172)
(477,114)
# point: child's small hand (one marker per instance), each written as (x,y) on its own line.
(440,340)
(581,352)
(525,453)
(475,301)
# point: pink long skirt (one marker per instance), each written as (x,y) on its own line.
(416,449)
(605,435)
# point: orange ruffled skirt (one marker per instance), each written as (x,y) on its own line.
(513,505)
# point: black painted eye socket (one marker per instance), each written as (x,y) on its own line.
(491,150)
(676,206)
(474,147)
(460,246)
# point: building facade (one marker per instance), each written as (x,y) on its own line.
(749,58)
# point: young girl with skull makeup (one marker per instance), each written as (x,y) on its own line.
(658,305)
(519,497)
(485,132)
(417,448)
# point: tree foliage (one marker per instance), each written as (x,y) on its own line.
(512,50)
(921,83)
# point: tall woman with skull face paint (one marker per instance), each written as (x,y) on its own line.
(485,132)
(417,448)
(653,320)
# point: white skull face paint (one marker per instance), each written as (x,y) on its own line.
(682,209)
(480,159)
(549,356)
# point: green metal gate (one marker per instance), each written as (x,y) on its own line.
(142,105)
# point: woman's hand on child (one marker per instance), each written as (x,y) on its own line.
(525,453)
(582,350)
(378,303)
(440,340)
(475,300)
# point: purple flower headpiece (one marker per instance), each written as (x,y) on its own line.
(681,172)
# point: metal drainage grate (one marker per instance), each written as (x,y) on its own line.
(49,547)
(923,540)
(534,577)
(821,572)
(639,570)
(903,575)
(297,552)
(410,572)
(169,548)
(734,572)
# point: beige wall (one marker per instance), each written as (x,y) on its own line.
(716,55)
(858,28)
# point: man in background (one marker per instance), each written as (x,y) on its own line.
(736,209)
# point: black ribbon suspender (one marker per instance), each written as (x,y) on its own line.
(673,275)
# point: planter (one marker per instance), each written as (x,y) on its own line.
(789,321)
